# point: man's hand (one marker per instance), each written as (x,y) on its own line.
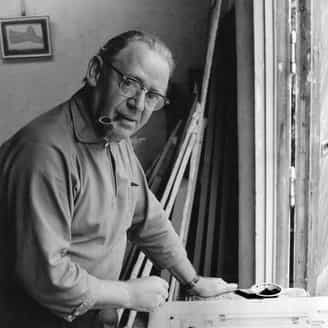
(209,287)
(146,294)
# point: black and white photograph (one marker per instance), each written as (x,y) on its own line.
(163,164)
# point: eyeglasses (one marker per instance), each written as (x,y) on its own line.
(131,87)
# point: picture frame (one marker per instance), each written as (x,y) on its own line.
(25,37)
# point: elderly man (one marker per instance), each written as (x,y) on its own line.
(72,192)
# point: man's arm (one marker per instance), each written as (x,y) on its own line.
(194,284)
(41,202)
(143,294)
(154,233)
(40,206)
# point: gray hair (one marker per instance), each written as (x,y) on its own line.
(113,46)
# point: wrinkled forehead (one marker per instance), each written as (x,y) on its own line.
(148,65)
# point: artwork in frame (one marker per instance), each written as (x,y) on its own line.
(25,37)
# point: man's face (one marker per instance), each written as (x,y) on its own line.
(128,115)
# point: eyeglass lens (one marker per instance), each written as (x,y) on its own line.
(131,88)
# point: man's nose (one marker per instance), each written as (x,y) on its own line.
(139,100)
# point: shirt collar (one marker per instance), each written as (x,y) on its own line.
(83,127)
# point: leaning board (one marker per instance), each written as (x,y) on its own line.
(298,312)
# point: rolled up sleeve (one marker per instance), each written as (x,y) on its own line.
(42,206)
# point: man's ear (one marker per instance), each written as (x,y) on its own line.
(95,67)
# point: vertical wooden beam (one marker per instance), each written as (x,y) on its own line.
(204,192)
(246,175)
(317,227)
(283,96)
(187,206)
(303,61)
(213,175)
(213,29)
(270,139)
(259,81)
(265,140)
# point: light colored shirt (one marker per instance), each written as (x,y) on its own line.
(74,199)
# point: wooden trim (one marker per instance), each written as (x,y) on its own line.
(270,140)
(204,191)
(190,193)
(283,107)
(259,81)
(214,25)
(315,137)
(213,29)
(302,144)
(246,150)
(265,138)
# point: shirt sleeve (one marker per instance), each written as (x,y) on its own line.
(41,203)
(152,231)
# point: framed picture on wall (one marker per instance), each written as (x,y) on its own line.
(25,37)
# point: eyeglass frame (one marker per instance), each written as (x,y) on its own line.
(142,87)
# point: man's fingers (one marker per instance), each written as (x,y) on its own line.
(231,287)
(163,282)
(166,294)
(225,287)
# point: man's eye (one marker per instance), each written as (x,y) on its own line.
(129,82)
(152,96)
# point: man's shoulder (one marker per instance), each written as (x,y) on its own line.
(51,126)
(51,131)
(48,138)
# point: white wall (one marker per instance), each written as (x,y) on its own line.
(79,28)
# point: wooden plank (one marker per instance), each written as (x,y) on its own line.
(193,175)
(170,142)
(259,78)
(181,172)
(245,121)
(317,272)
(213,178)
(302,145)
(184,144)
(283,107)
(213,28)
(226,179)
(214,25)
(203,192)
(176,217)
(189,124)
(265,140)
(186,215)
